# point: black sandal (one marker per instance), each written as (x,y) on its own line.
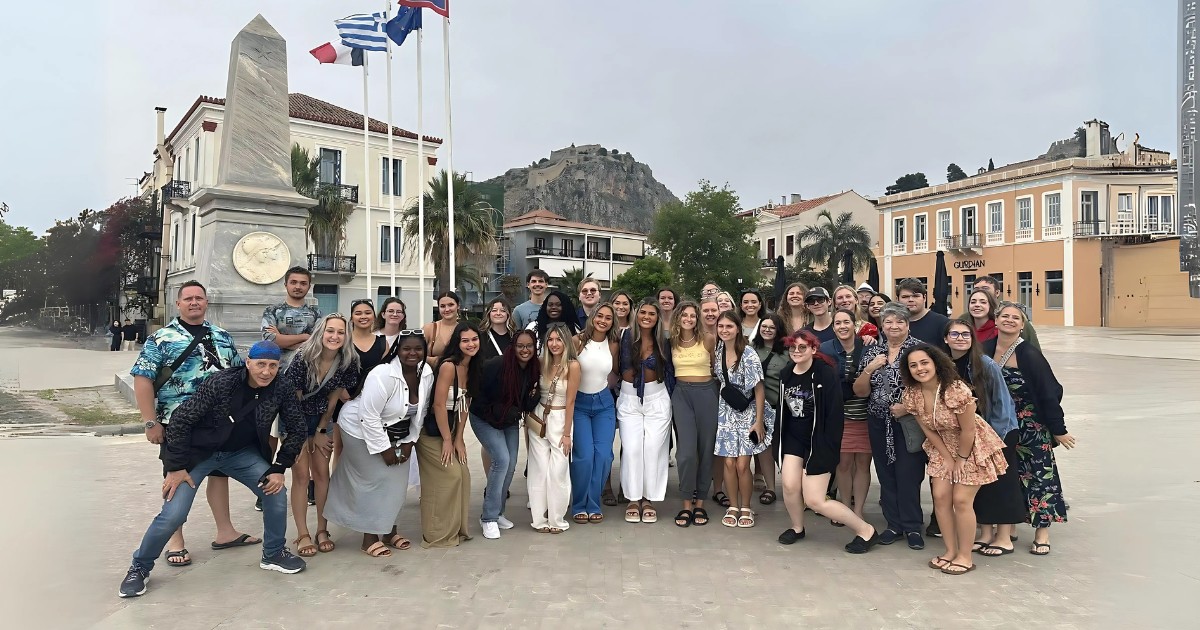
(721,498)
(683,518)
(767,497)
(185,558)
(699,517)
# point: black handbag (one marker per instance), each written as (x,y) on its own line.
(732,395)
(165,372)
(910,428)
(431,425)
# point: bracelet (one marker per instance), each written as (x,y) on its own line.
(962,457)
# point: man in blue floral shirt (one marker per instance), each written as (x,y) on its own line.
(214,352)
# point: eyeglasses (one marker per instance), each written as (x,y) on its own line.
(955,334)
(590,291)
(412,332)
(393,311)
(523,346)
(709,293)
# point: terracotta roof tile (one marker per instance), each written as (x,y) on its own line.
(793,209)
(548,218)
(305,107)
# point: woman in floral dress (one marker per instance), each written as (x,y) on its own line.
(740,434)
(1041,426)
(964,451)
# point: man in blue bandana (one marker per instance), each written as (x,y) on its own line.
(224,427)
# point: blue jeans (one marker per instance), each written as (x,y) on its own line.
(247,466)
(594,427)
(501,446)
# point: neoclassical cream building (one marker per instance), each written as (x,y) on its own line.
(186,161)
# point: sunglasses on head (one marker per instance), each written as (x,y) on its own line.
(412,331)
(363,301)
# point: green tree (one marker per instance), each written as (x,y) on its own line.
(124,252)
(911,181)
(644,277)
(569,284)
(511,287)
(954,173)
(19,249)
(825,242)
(702,238)
(326,222)
(474,228)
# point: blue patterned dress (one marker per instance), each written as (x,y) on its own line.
(1035,457)
(733,427)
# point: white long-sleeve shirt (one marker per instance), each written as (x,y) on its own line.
(384,401)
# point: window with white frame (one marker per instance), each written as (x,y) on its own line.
(390,244)
(898,235)
(1125,203)
(995,211)
(1025,213)
(329,170)
(393,185)
(967,221)
(1053,203)
(1159,213)
(943,223)
(1089,210)
(920,228)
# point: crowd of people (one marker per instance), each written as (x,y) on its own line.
(822,389)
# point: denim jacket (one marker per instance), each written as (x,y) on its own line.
(833,349)
(1001,413)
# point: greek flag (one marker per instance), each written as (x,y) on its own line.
(363,31)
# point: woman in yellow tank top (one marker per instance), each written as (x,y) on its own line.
(694,405)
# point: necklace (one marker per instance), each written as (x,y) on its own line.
(689,341)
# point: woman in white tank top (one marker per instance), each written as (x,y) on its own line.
(595,415)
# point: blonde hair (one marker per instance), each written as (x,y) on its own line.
(310,352)
(564,335)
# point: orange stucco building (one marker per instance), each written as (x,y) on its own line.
(1081,241)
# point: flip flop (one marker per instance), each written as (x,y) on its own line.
(1004,551)
(978,546)
(245,540)
(937,563)
(1036,549)
(185,558)
(948,571)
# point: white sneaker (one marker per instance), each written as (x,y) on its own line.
(504,523)
(491,531)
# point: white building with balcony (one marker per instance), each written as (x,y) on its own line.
(186,161)
(777,226)
(544,240)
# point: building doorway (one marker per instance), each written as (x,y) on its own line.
(968,286)
(1025,290)
(327,298)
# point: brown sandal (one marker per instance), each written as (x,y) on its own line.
(954,568)
(327,545)
(378,550)
(305,551)
(581,518)
(403,545)
(595,518)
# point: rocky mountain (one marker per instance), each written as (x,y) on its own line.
(587,183)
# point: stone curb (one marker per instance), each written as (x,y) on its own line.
(116,429)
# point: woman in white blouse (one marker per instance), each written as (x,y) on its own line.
(368,488)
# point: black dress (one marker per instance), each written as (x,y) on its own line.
(814,434)
(367,361)
(1000,502)
(492,345)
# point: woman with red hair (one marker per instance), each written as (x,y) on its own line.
(810,399)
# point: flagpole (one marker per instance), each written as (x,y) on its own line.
(421,171)
(449,154)
(392,238)
(366,188)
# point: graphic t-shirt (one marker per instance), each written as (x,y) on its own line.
(289,320)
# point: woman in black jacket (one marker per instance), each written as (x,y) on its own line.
(506,390)
(811,441)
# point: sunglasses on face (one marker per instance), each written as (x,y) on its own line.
(816,300)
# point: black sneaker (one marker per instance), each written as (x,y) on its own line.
(858,545)
(134,584)
(915,541)
(933,530)
(258,504)
(888,537)
(790,536)
(284,562)
(312,493)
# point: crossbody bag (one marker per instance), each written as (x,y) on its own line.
(165,373)
(732,395)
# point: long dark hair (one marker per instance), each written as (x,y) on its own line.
(739,340)
(569,316)
(978,377)
(777,344)
(454,354)
(878,322)
(516,380)
(762,304)
(379,322)
(943,367)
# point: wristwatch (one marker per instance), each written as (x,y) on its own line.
(149,424)
(323,430)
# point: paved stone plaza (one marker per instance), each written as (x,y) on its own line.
(77,506)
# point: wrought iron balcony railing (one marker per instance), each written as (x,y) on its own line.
(345,192)
(333,264)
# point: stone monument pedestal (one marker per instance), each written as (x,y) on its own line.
(252,220)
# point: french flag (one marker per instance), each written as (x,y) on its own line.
(330,52)
(440,7)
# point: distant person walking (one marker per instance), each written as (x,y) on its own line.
(114,344)
(129,334)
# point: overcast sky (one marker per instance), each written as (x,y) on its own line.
(772,97)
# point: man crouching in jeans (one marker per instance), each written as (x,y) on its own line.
(224,426)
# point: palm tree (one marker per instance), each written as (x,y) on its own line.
(474,229)
(326,222)
(824,243)
(571,279)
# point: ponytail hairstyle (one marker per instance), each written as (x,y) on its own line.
(807,338)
